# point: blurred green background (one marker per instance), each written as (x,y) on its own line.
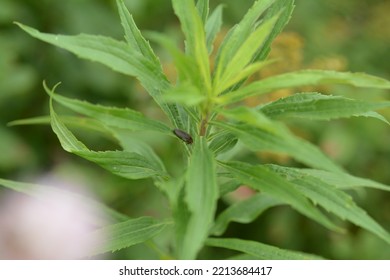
(349,35)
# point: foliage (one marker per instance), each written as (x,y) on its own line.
(204,102)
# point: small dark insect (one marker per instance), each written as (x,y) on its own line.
(183,135)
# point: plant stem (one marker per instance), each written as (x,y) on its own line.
(203,124)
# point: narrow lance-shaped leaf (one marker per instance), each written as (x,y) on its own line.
(222,142)
(130,143)
(330,198)
(127,233)
(244,54)
(173,188)
(228,186)
(82,122)
(240,76)
(115,54)
(185,65)
(244,211)
(185,94)
(187,75)
(201,194)
(181,216)
(68,141)
(260,178)
(258,250)
(129,165)
(304,78)
(344,180)
(113,117)
(121,163)
(262,134)
(31,121)
(317,106)
(120,57)
(212,27)
(193,30)
(203,8)
(237,35)
(133,36)
(285,7)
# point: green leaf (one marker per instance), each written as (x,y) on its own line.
(117,55)
(258,177)
(185,65)
(244,211)
(201,194)
(68,141)
(185,94)
(213,26)
(228,186)
(317,106)
(222,142)
(239,34)
(133,36)
(120,57)
(243,74)
(110,116)
(31,121)
(285,8)
(259,250)
(127,234)
(130,143)
(375,115)
(203,8)
(250,116)
(173,188)
(344,180)
(181,216)
(243,56)
(41,191)
(263,134)
(330,198)
(304,78)
(82,122)
(192,26)
(125,164)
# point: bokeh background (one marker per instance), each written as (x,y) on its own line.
(349,35)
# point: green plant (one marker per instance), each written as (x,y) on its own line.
(204,106)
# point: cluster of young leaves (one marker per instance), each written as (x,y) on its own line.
(204,103)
